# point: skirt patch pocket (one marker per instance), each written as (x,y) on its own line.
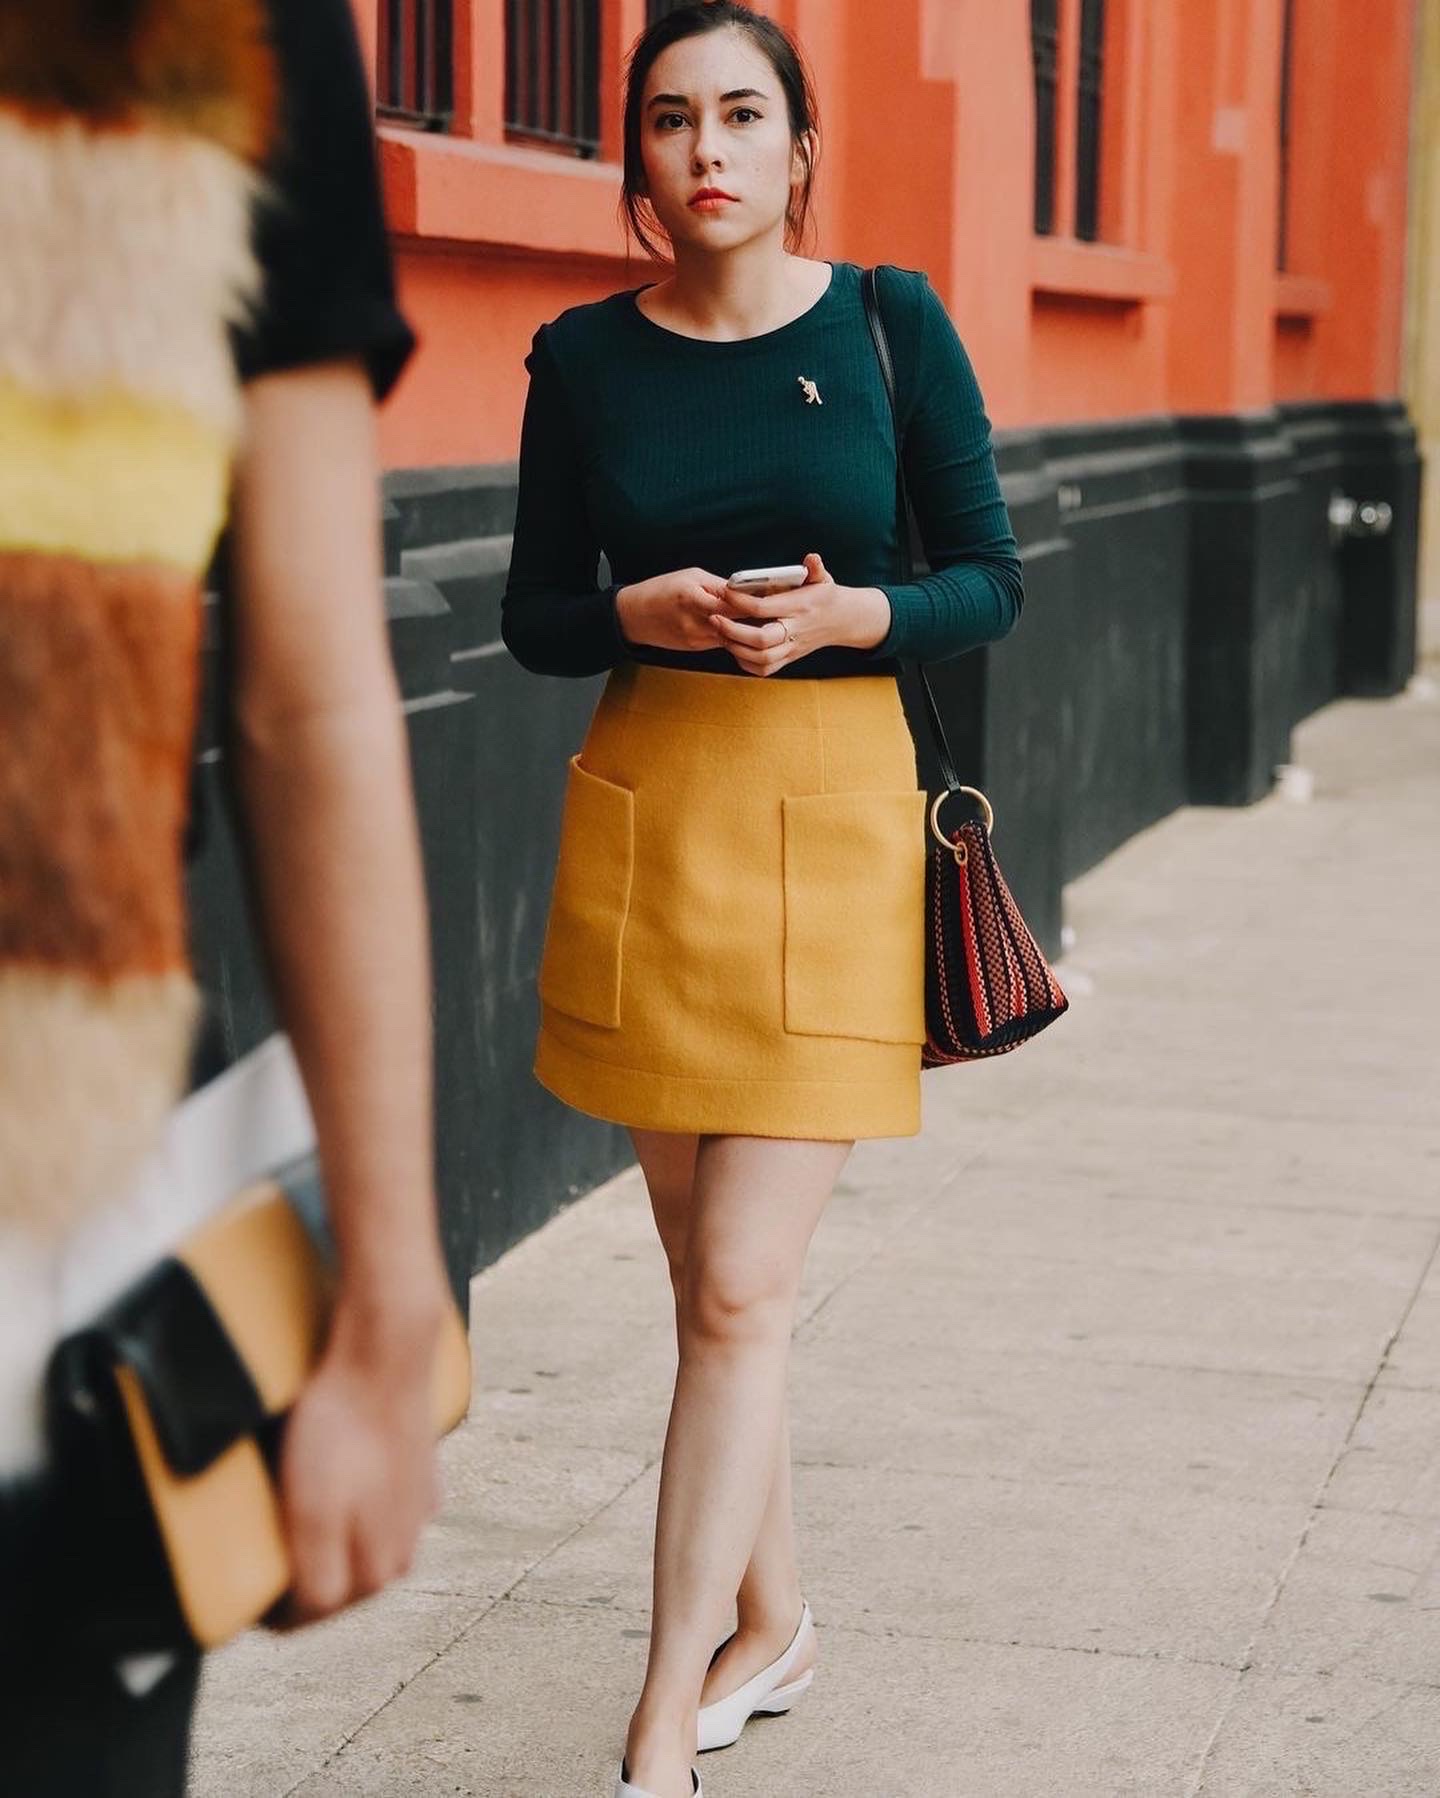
(855,915)
(581,965)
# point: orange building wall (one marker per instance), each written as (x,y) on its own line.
(927,114)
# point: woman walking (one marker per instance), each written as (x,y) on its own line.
(734,966)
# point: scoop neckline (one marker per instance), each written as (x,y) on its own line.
(708,344)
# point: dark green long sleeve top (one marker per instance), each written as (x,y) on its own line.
(667,452)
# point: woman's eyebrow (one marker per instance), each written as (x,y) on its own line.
(736,93)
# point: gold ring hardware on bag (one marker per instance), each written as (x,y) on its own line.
(958,850)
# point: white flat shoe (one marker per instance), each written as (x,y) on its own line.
(624,1789)
(770,1693)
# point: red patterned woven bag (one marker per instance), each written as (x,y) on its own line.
(988,986)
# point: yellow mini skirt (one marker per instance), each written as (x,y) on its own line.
(736,935)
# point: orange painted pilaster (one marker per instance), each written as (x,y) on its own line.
(1122,129)
(621,23)
(1226,193)
(891,131)
(823,28)
(479,71)
(987,60)
(1359,338)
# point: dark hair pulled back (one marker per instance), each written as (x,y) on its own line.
(795,82)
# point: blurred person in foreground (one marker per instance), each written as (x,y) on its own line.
(197,316)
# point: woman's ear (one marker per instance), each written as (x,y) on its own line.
(806,158)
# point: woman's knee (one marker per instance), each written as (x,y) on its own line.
(728,1300)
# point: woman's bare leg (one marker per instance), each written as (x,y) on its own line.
(755,1205)
(668,1164)
(769,1601)
(770,1597)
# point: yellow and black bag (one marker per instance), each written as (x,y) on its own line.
(165,1418)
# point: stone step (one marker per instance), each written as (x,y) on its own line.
(443,505)
(470,572)
(422,635)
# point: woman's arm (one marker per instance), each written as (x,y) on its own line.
(554,618)
(976,590)
(322,773)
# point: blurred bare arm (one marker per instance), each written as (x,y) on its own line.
(322,773)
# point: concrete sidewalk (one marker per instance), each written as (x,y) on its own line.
(1117,1393)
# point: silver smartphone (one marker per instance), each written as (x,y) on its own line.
(760,583)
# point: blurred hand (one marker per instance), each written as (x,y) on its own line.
(358,1471)
(766,634)
(672,611)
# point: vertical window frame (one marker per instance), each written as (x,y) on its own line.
(1090,120)
(1088,179)
(1045,30)
(415,64)
(553,64)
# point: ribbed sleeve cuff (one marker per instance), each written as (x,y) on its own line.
(893,642)
(620,647)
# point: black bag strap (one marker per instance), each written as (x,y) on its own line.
(904,516)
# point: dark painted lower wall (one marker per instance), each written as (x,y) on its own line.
(1188,603)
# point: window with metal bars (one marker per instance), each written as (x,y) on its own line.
(1087,119)
(414,76)
(1085,82)
(1045,46)
(552,73)
(1287,74)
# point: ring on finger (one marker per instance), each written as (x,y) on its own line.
(784,624)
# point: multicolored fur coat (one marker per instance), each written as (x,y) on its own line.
(132,133)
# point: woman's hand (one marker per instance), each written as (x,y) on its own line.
(672,611)
(766,634)
(358,1470)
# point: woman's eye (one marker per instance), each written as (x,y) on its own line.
(742,115)
(667,121)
